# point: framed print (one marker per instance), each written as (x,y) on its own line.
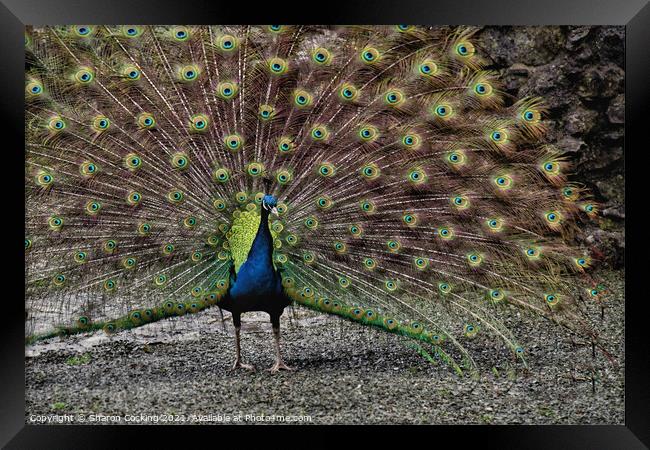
(344,222)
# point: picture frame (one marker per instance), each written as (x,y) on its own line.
(635,15)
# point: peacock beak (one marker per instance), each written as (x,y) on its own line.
(274,210)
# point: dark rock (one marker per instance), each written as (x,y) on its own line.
(613,189)
(608,246)
(570,144)
(609,44)
(616,110)
(617,212)
(600,156)
(516,76)
(575,35)
(601,81)
(527,45)
(580,120)
(614,134)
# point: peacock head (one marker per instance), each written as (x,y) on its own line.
(270,204)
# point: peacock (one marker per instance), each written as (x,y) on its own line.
(379,174)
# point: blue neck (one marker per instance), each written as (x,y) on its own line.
(261,252)
(257,276)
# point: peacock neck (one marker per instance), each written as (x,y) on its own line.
(262,249)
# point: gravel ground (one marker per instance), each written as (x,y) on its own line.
(344,374)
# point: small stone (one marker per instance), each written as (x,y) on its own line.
(570,144)
(617,211)
(580,120)
(601,81)
(515,76)
(576,34)
(616,109)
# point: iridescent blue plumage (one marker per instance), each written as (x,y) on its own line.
(257,279)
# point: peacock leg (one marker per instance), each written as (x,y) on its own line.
(279,363)
(236,318)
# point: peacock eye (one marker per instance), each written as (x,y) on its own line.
(465,49)
(529,115)
(474,259)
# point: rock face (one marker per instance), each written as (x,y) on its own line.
(579,71)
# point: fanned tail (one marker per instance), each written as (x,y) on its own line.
(414,196)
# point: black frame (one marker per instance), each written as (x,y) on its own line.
(634,14)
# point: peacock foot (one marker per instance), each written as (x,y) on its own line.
(240,365)
(280,365)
